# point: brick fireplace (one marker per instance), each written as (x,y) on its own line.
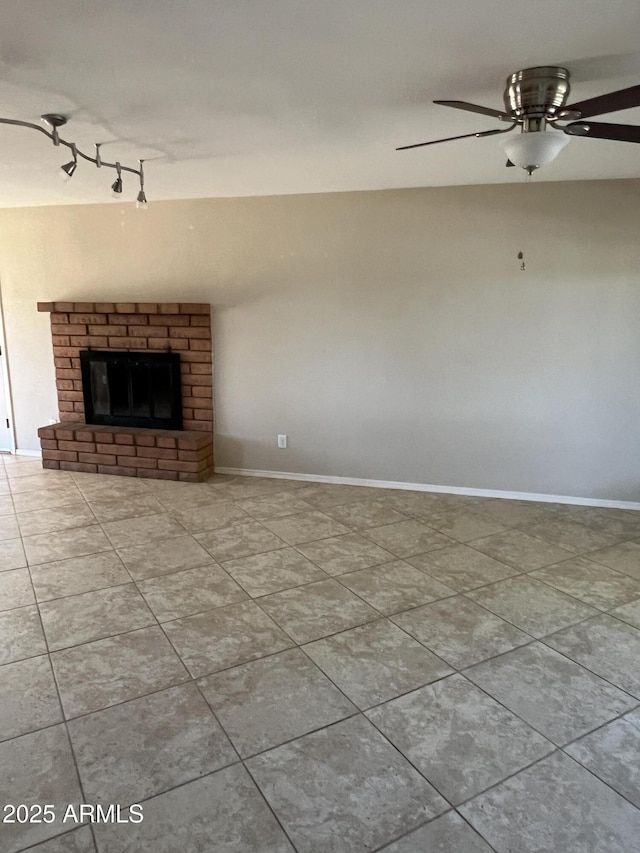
(129,327)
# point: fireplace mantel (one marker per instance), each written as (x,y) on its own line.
(183,328)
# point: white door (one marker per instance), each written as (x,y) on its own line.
(5,430)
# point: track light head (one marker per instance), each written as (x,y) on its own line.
(66,171)
(141,201)
(116,186)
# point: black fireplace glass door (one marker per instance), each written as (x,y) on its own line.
(132,389)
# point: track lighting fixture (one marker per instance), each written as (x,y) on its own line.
(52,122)
(116,186)
(69,168)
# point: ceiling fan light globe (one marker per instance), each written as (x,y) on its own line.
(534,149)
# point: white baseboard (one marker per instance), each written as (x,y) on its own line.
(425,487)
(36,453)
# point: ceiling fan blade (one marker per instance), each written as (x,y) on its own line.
(472,108)
(623,99)
(452,138)
(602,130)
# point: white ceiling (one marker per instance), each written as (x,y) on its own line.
(261,97)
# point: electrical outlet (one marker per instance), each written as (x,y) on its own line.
(282,441)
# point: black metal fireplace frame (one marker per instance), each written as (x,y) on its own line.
(128,360)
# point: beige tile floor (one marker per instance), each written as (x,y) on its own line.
(271,666)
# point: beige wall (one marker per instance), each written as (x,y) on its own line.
(390,334)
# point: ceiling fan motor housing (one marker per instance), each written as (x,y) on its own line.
(537,92)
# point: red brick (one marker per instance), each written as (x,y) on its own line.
(199,380)
(154,474)
(62,363)
(83,307)
(150,331)
(200,320)
(76,445)
(70,395)
(64,384)
(105,307)
(122,438)
(157,453)
(201,346)
(161,441)
(77,384)
(60,341)
(46,307)
(191,357)
(66,416)
(128,343)
(189,332)
(124,307)
(203,369)
(119,470)
(78,408)
(83,467)
(137,461)
(193,441)
(62,455)
(129,319)
(119,329)
(83,435)
(169,308)
(109,449)
(193,455)
(120,449)
(58,317)
(98,319)
(148,307)
(64,307)
(98,458)
(202,391)
(48,443)
(177,465)
(144,440)
(104,434)
(67,373)
(51,463)
(169,320)
(67,329)
(195,308)
(64,406)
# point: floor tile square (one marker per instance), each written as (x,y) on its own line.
(239,539)
(606,646)
(76,841)
(463,526)
(223,812)
(106,672)
(78,574)
(629,613)
(59,495)
(460,631)
(142,530)
(210,516)
(231,635)
(395,586)
(555,805)
(38,768)
(39,521)
(324,495)
(613,754)
(146,746)
(376,662)
(163,557)
(94,615)
(625,524)
(407,538)
(21,634)
(622,558)
(40,482)
(9,527)
(461,740)
(348,553)
(462,568)
(191,591)
(310,784)
(446,834)
(590,582)
(77,542)
(273,571)
(531,605)
(365,513)
(514,512)
(556,696)
(525,553)
(316,610)
(573,536)
(12,555)
(266,702)
(305,527)
(15,589)
(117,509)
(28,697)
(273,506)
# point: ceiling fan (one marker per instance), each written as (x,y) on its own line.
(535,99)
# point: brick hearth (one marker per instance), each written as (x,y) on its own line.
(74,445)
